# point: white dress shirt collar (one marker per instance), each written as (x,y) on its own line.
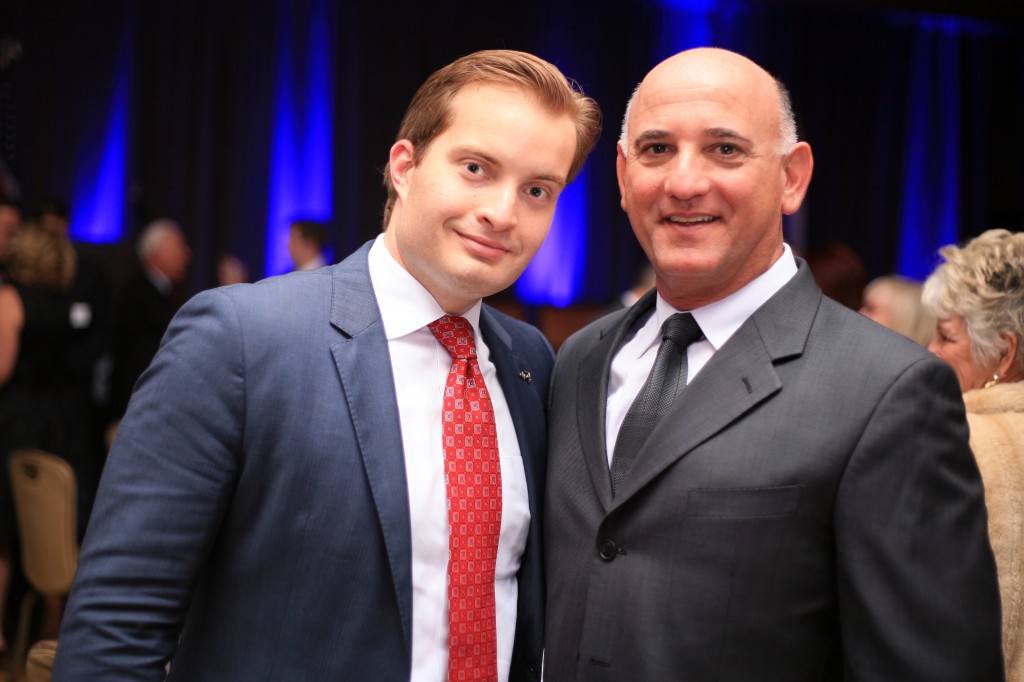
(721,319)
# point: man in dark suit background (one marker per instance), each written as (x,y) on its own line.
(805,505)
(306,242)
(277,493)
(147,305)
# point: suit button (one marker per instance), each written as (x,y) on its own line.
(608,550)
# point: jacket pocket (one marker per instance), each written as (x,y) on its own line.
(743,502)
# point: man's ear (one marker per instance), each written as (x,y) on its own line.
(620,171)
(797,168)
(401,162)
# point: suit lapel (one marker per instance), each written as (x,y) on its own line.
(361,356)
(739,376)
(524,404)
(592,380)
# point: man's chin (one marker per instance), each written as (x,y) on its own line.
(485,283)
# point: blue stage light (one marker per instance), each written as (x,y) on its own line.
(301,167)
(555,276)
(98,194)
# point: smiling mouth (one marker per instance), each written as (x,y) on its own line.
(484,248)
(682,220)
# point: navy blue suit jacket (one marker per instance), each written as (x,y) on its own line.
(255,501)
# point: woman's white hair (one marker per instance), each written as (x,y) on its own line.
(982,282)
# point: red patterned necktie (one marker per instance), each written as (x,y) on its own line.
(473,479)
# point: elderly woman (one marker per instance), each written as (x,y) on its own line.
(977,296)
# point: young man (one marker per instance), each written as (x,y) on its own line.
(278,495)
(746,480)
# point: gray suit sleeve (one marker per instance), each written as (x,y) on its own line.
(166,484)
(917,582)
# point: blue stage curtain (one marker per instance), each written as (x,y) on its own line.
(302,134)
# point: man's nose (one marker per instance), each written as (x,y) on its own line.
(499,210)
(687,177)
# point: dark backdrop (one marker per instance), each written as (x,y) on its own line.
(914,109)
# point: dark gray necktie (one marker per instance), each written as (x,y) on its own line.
(666,380)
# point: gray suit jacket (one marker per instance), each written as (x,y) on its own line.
(255,501)
(808,510)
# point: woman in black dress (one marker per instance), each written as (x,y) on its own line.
(44,394)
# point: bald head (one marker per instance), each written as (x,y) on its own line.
(712,67)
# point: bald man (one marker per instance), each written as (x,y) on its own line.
(747,481)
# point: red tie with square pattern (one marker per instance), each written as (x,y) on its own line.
(473,479)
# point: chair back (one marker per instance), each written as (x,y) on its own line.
(45,502)
(39,664)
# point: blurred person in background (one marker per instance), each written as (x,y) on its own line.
(306,241)
(231,270)
(45,401)
(149,302)
(91,309)
(895,302)
(51,213)
(10,221)
(977,295)
(839,272)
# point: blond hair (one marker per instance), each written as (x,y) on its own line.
(41,258)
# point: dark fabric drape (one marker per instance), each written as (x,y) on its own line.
(201,102)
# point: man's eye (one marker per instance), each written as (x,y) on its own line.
(474,168)
(727,149)
(656,148)
(537,192)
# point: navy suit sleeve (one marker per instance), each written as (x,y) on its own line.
(166,485)
(917,581)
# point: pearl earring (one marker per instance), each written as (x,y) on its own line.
(993,381)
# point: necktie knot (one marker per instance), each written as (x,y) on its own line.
(681,329)
(456,335)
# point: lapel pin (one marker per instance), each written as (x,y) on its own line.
(525,376)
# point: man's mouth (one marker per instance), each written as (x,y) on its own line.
(485,248)
(696,220)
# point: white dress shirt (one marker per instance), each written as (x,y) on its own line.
(420,366)
(718,321)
